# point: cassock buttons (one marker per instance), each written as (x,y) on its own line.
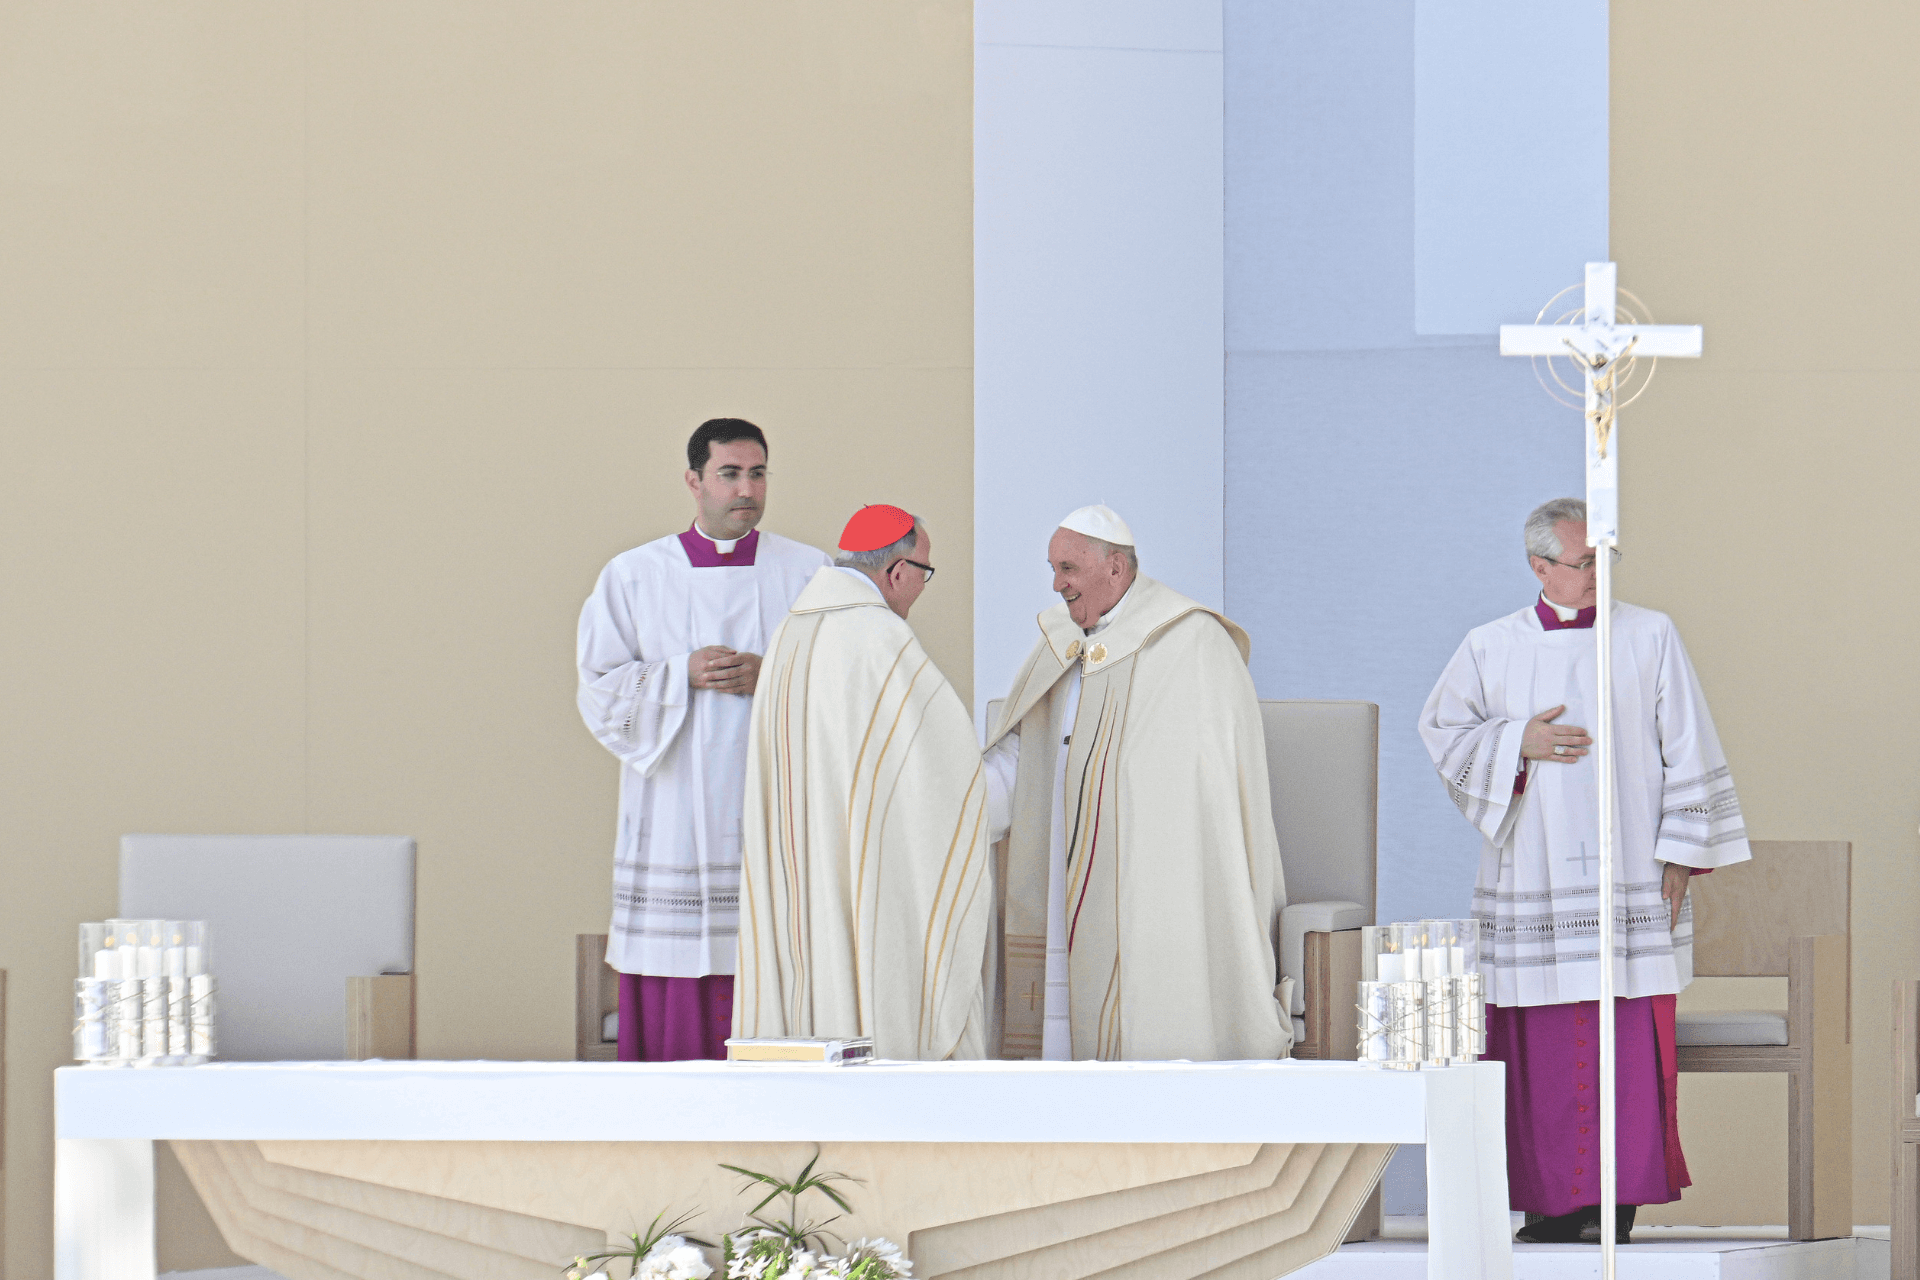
(1073,651)
(1097,654)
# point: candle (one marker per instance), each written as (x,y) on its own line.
(149,963)
(176,962)
(1432,962)
(1456,961)
(1390,966)
(196,962)
(106,964)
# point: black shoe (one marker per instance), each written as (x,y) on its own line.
(1622,1223)
(1565,1228)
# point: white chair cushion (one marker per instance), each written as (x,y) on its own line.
(1297,920)
(1731,1027)
(610,1028)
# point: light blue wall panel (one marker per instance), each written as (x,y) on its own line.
(1510,156)
(1378,469)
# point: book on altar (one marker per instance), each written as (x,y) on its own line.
(833,1053)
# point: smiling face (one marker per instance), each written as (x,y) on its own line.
(730,495)
(1567,587)
(1090,583)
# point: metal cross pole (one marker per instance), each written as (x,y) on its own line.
(1595,342)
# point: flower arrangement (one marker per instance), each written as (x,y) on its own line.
(659,1254)
(789,1248)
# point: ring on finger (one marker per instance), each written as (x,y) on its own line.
(1559,751)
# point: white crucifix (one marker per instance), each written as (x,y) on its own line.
(1593,338)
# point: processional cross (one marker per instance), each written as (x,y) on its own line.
(1592,338)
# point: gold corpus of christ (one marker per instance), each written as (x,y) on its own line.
(1618,378)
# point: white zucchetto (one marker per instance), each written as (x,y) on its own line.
(1100,521)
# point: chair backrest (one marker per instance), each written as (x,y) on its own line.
(290,919)
(1323,773)
(1323,768)
(1744,915)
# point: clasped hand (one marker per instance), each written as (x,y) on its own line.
(723,670)
(1545,740)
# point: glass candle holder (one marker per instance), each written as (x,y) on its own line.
(1392,1024)
(144,995)
(184,951)
(1455,944)
(96,1029)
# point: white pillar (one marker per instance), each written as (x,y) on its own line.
(103,1209)
(1098,296)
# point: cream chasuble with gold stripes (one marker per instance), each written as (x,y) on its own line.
(866,894)
(1173,881)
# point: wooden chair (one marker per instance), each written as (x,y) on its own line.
(1787,913)
(596,998)
(1323,772)
(1906,1130)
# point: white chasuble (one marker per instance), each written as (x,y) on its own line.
(1172,888)
(1538,888)
(867,894)
(682,751)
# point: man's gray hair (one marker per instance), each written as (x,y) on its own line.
(1103,549)
(876,562)
(1542,541)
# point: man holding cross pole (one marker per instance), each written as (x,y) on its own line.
(1505,728)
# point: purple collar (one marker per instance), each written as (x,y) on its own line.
(1551,620)
(703,553)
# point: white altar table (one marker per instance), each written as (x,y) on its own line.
(337,1148)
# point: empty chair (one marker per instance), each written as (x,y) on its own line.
(1323,767)
(295,923)
(1786,914)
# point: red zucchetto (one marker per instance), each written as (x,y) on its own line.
(872,528)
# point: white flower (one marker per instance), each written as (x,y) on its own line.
(672,1258)
(747,1268)
(879,1249)
(685,1262)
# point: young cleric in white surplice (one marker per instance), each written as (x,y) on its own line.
(668,655)
(1143,879)
(1502,728)
(866,897)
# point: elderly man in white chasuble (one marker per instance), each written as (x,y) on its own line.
(866,895)
(669,656)
(1505,729)
(1143,885)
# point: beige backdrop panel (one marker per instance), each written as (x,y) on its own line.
(1757,191)
(344,344)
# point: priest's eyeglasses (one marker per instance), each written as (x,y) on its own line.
(925,569)
(1583,566)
